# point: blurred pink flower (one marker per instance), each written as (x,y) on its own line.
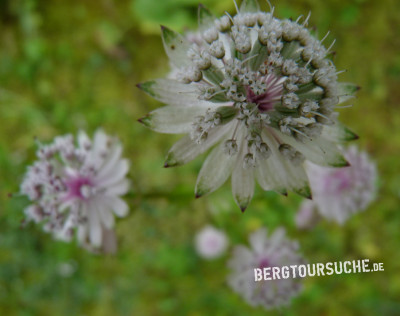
(210,242)
(78,188)
(264,251)
(340,192)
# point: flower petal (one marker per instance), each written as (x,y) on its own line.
(257,240)
(172,119)
(338,132)
(276,240)
(111,162)
(176,47)
(242,257)
(172,92)
(271,174)
(249,6)
(258,55)
(346,91)
(99,142)
(82,234)
(215,171)
(83,140)
(242,184)
(119,171)
(318,150)
(119,206)
(205,17)
(94,224)
(119,188)
(297,180)
(105,215)
(186,149)
(281,173)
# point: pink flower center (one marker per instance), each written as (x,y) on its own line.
(212,244)
(338,181)
(264,263)
(79,188)
(265,101)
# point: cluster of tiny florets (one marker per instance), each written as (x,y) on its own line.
(77,187)
(273,72)
(265,251)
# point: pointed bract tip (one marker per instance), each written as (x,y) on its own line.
(146,120)
(139,85)
(197,195)
(10,195)
(166,165)
(163,27)
(309,197)
(358,88)
(201,6)
(243,208)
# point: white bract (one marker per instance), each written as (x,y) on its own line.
(78,188)
(264,252)
(339,193)
(261,91)
(210,242)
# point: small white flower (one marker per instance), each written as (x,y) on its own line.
(261,91)
(264,252)
(67,269)
(339,193)
(210,242)
(78,188)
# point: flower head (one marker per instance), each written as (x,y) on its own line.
(264,252)
(78,188)
(340,192)
(261,91)
(210,242)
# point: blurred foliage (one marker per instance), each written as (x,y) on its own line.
(68,66)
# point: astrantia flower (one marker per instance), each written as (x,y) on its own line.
(261,91)
(210,242)
(340,192)
(78,188)
(264,252)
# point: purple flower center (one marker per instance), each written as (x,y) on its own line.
(212,243)
(264,263)
(79,188)
(265,101)
(338,181)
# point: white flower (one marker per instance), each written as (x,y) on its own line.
(340,192)
(261,91)
(264,252)
(210,242)
(78,188)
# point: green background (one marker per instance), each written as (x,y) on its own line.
(70,65)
